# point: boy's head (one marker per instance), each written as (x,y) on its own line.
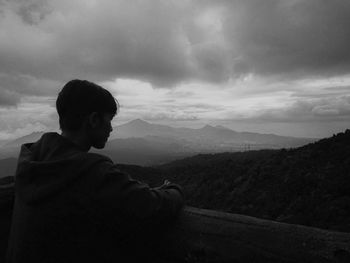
(78,99)
(85,107)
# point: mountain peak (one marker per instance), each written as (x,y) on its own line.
(207,126)
(138,121)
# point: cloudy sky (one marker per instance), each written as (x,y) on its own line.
(272,66)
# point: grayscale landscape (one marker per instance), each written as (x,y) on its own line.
(244,103)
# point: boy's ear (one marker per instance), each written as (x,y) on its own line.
(93,119)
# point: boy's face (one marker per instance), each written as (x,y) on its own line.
(100,130)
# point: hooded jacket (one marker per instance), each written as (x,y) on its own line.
(74,206)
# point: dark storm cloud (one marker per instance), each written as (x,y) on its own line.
(170,42)
(212,62)
(31,11)
(28,85)
(13,87)
(111,39)
(289,37)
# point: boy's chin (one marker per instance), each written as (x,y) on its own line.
(99,145)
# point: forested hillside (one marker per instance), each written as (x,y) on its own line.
(309,185)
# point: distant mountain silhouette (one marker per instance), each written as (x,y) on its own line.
(308,185)
(139,128)
(143,143)
(210,138)
(11,148)
(34,136)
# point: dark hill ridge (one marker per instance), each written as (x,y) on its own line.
(309,185)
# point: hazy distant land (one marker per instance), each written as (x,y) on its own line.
(142,143)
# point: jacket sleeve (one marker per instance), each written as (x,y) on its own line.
(117,192)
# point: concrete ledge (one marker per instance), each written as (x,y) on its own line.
(210,236)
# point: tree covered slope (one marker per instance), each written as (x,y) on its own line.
(309,185)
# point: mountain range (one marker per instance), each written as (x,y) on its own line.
(143,143)
(208,137)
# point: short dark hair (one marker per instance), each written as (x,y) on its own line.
(79,98)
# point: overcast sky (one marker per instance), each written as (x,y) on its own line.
(272,66)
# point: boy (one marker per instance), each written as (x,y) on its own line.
(76,206)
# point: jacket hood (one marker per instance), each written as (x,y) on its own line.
(48,166)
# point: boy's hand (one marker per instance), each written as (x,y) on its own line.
(166,182)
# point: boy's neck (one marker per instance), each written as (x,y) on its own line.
(78,138)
